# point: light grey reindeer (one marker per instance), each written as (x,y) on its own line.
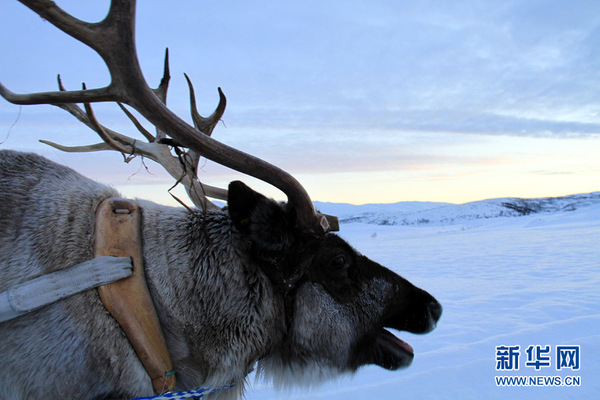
(254,283)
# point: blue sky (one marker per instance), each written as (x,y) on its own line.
(362,101)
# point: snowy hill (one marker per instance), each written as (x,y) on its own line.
(417,213)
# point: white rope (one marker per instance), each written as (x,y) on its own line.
(49,288)
(188,394)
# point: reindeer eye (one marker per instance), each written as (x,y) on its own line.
(339,262)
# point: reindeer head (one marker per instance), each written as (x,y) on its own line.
(337,302)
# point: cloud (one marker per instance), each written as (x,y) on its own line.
(507,67)
(371,122)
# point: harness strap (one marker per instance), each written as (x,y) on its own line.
(118,233)
(49,288)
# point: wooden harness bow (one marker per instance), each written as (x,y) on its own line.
(118,233)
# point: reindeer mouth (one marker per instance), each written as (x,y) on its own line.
(391,352)
(384,349)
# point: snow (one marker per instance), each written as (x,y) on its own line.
(505,275)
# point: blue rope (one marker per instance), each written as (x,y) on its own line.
(188,394)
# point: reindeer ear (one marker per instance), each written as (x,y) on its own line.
(267,223)
(241,201)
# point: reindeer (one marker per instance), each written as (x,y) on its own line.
(255,284)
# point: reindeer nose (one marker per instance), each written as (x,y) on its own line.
(435,312)
(426,312)
(419,314)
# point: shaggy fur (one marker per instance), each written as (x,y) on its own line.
(231,288)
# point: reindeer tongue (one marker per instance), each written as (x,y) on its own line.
(399,342)
(407,347)
(384,349)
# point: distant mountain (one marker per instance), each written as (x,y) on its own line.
(413,213)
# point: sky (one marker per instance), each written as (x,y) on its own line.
(373,101)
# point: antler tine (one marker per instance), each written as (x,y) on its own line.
(104,136)
(71,96)
(107,139)
(161,90)
(113,39)
(84,117)
(78,149)
(137,124)
(71,108)
(89,119)
(205,125)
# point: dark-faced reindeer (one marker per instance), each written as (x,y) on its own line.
(256,284)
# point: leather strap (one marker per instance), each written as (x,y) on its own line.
(118,233)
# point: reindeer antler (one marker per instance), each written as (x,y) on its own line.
(183,167)
(113,39)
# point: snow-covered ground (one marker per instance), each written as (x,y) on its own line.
(507,271)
